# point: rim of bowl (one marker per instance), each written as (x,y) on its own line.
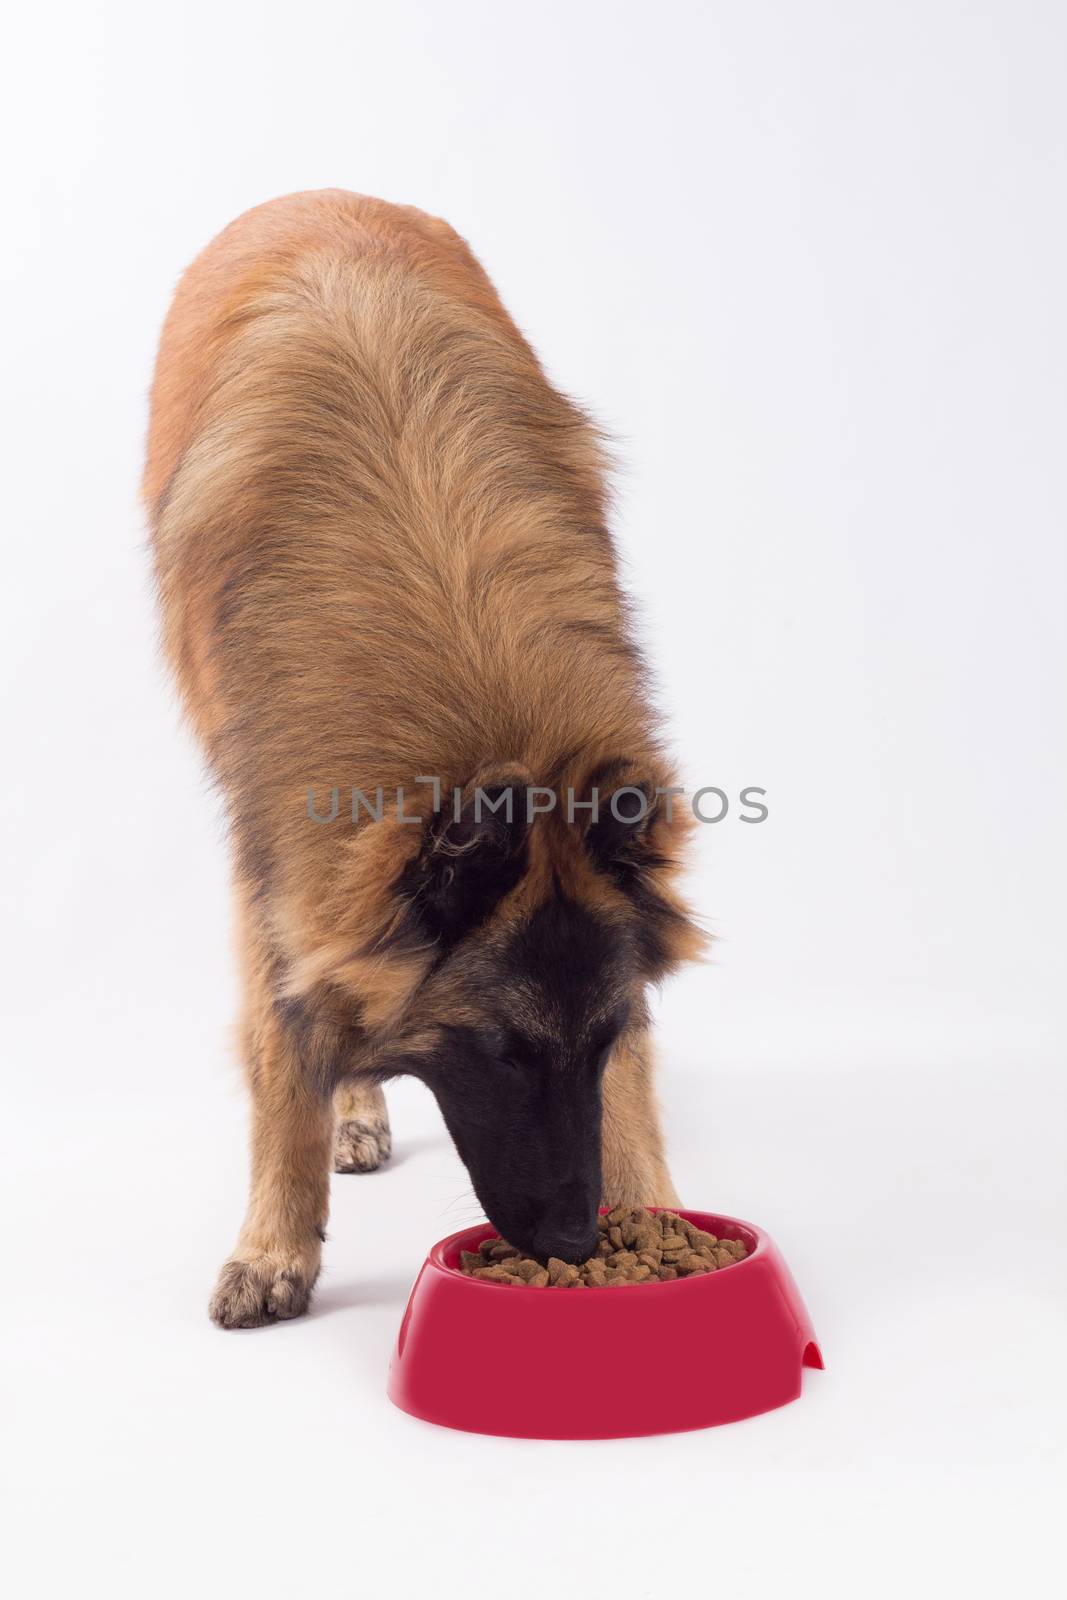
(436,1256)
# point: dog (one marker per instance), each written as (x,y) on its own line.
(384,573)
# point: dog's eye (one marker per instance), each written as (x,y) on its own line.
(605,1038)
(602,1055)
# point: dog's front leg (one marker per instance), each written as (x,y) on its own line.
(271,1272)
(635,1165)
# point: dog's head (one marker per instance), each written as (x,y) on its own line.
(528,940)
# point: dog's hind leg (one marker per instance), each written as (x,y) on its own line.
(362,1140)
(635,1164)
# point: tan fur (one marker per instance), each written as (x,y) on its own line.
(635,1163)
(381,552)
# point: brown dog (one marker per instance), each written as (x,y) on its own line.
(383,566)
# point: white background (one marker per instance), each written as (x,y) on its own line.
(806,261)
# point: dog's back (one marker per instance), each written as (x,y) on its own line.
(379,531)
(361,482)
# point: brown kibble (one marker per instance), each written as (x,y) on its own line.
(494,1274)
(689,1261)
(630,1230)
(634,1246)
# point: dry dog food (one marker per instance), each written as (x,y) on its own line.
(636,1246)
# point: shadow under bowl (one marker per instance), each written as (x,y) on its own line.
(602,1363)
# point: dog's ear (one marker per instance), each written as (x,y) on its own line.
(620,840)
(468,861)
(638,841)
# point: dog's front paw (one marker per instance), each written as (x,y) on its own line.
(261,1289)
(361,1146)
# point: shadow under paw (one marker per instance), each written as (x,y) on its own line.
(361,1146)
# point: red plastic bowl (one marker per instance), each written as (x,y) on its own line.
(601,1363)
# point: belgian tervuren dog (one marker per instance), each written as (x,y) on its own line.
(390,600)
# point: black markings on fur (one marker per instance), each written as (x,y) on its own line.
(570,958)
(323,1045)
(657,927)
